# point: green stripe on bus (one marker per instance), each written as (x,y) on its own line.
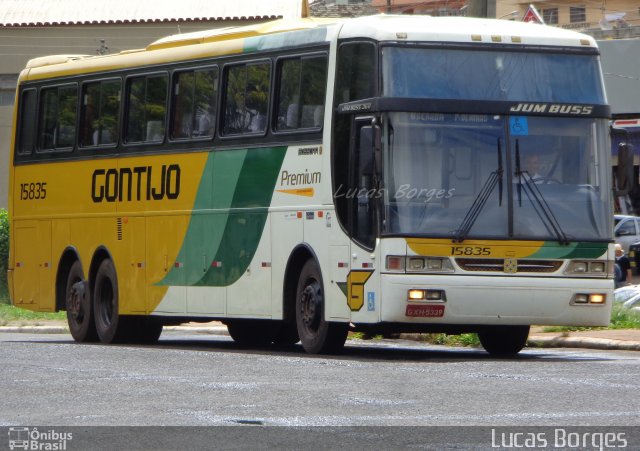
(218,231)
(552,249)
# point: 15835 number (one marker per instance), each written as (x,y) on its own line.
(33,191)
(470,251)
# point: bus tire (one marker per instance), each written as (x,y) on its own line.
(144,329)
(317,335)
(286,334)
(247,332)
(110,325)
(504,341)
(78,305)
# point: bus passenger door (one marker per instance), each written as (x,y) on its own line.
(363,180)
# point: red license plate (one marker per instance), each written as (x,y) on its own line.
(425,311)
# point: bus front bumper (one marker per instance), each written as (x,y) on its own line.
(496,300)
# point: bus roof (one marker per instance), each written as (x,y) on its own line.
(461,30)
(181,47)
(233,40)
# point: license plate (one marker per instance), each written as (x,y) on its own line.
(425,311)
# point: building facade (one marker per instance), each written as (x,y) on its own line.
(603,18)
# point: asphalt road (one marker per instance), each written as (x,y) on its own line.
(207,380)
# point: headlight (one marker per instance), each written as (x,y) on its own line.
(598,268)
(418,265)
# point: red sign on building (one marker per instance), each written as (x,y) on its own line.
(532,15)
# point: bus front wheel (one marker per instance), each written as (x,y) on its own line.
(504,341)
(247,332)
(110,325)
(317,335)
(78,305)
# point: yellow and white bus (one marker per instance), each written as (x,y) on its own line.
(300,179)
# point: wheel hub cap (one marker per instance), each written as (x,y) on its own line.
(310,305)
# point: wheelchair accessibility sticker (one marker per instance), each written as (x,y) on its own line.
(518,125)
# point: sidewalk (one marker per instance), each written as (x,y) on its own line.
(618,339)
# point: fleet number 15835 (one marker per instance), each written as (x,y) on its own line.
(470,251)
(33,191)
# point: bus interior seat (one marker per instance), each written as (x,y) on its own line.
(155,131)
(203,125)
(312,116)
(292,115)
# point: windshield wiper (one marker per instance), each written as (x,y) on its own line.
(540,205)
(495,178)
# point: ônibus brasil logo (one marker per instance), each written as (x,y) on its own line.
(33,439)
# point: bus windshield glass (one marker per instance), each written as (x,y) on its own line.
(491,75)
(491,176)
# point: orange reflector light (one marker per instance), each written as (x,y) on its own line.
(589,298)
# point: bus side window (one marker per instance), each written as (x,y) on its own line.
(57,122)
(100,113)
(146,109)
(302,83)
(27,122)
(246,100)
(195,96)
(355,77)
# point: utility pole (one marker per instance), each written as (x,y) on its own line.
(103,49)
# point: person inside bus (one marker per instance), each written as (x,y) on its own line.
(533,167)
(543,168)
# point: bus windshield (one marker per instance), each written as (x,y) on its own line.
(491,75)
(491,176)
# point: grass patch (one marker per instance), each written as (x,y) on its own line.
(465,340)
(621,318)
(9,313)
(364,336)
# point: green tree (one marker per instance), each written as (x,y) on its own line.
(4,254)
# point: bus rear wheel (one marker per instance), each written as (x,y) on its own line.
(317,335)
(144,329)
(110,325)
(78,305)
(504,341)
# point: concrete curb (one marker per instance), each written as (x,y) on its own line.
(215,330)
(34,329)
(582,342)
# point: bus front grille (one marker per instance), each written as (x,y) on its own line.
(508,265)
